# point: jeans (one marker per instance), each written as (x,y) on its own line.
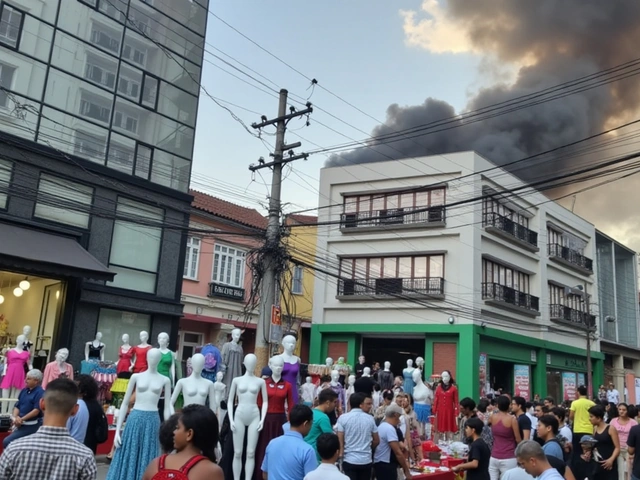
(385,471)
(357,472)
(23,431)
(497,467)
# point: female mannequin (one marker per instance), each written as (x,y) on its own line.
(167,365)
(278,392)
(232,355)
(407,375)
(246,414)
(445,405)
(219,389)
(420,363)
(350,390)
(308,391)
(337,387)
(59,368)
(139,359)
(329,362)
(360,366)
(422,400)
(291,365)
(15,360)
(125,355)
(385,377)
(94,350)
(139,443)
(26,331)
(195,389)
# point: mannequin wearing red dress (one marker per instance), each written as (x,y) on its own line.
(445,405)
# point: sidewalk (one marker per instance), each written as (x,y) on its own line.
(103,467)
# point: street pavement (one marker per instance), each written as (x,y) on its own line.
(103,467)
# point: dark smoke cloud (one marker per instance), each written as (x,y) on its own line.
(567,39)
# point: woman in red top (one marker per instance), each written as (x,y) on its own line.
(278,391)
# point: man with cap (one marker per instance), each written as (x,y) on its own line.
(388,455)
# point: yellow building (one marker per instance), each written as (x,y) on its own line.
(296,299)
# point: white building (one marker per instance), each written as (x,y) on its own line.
(450,258)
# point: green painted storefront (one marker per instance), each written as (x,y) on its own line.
(543,358)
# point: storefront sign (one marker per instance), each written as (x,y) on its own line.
(575,363)
(521,377)
(581,380)
(534,356)
(483,374)
(569,385)
(225,291)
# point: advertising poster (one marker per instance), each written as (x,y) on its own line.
(569,386)
(482,369)
(521,381)
(582,380)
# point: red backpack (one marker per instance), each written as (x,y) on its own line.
(182,474)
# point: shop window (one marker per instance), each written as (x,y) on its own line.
(135,246)
(192,258)
(5,179)
(115,323)
(63,201)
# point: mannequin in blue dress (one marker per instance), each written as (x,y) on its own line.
(407,375)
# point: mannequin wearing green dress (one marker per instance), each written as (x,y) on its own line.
(167,365)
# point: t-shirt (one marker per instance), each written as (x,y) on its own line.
(478,450)
(387,434)
(321,424)
(565,431)
(524,423)
(364,385)
(613,396)
(634,442)
(552,448)
(550,474)
(581,423)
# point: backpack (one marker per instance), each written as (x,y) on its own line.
(102,429)
(182,474)
(562,441)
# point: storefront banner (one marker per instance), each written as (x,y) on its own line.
(569,385)
(482,374)
(581,380)
(521,377)
(637,389)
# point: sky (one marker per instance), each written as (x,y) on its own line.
(356,49)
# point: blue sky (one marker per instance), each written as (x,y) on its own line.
(356,49)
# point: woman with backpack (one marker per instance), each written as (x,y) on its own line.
(194,441)
(97,427)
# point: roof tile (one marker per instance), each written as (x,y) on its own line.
(228,210)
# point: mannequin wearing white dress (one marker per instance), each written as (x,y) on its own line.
(195,389)
(308,391)
(13,390)
(246,414)
(351,380)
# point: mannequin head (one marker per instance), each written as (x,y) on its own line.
(387,366)
(417,376)
(409,363)
(420,362)
(144,337)
(361,359)
(125,338)
(329,362)
(307,380)
(163,340)
(197,363)
(335,376)
(446,377)
(62,355)
(20,340)
(352,380)
(235,335)
(219,376)
(250,362)
(26,331)
(98,336)
(289,344)
(340,360)
(153,358)
(276,364)
(366,372)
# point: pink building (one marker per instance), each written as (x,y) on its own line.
(216,283)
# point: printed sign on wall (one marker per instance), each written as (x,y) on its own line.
(569,385)
(521,381)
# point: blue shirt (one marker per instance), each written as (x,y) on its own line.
(553,449)
(77,425)
(358,429)
(29,400)
(383,451)
(299,460)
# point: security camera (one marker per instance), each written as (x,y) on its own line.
(451,320)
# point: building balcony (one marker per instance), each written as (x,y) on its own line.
(510,298)
(432,287)
(396,218)
(510,230)
(572,316)
(571,258)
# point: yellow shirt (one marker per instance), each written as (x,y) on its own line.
(581,423)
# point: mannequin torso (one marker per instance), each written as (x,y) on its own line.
(407,376)
(195,389)
(308,391)
(59,368)
(125,356)
(445,405)
(232,355)
(291,370)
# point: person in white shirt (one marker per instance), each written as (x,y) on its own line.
(613,395)
(531,459)
(328,446)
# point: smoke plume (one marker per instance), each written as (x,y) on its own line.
(551,42)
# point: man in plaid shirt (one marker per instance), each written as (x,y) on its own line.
(50,452)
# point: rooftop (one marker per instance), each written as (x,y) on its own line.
(227,210)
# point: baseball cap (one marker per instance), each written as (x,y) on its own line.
(393,409)
(588,439)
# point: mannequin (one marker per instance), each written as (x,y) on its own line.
(329,362)
(245,390)
(279,391)
(350,390)
(59,368)
(232,355)
(139,444)
(219,389)
(308,391)
(94,350)
(422,400)
(420,363)
(26,331)
(15,361)
(407,375)
(445,405)
(362,362)
(139,359)
(291,365)
(125,355)
(195,389)
(385,377)
(167,365)
(336,386)
(365,383)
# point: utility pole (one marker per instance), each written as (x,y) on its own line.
(270,259)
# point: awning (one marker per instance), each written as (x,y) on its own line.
(43,253)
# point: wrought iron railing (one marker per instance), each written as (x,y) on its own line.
(500,293)
(561,312)
(505,224)
(394,216)
(570,255)
(391,286)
